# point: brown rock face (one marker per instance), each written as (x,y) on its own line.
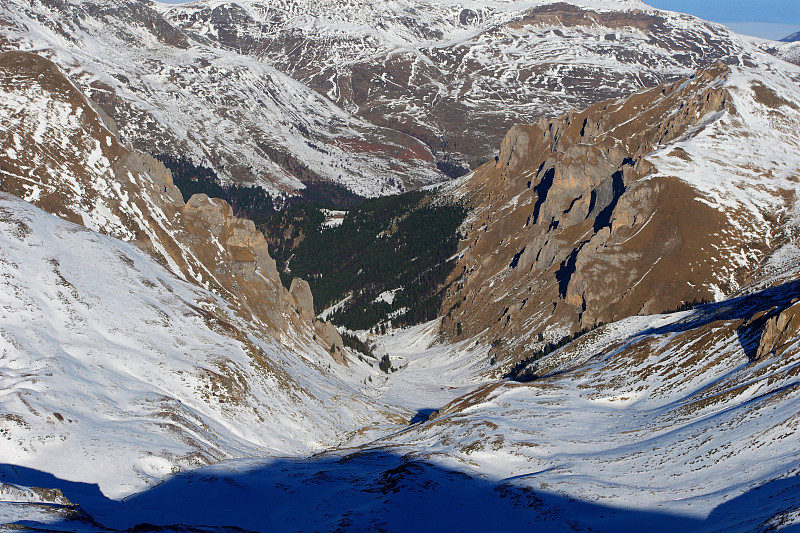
(780,330)
(235,255)
(327,333)
(570,229)
(330,337)
(301,292)
(57,153)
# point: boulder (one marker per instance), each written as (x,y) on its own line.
(303,299)
(779,330)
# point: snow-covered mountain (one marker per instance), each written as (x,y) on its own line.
(156,375)
(457,75)
(792,38)
(788,51)
(679,194)
(169,94)
(684,420)
(116,372)
(192,353)
(370,95)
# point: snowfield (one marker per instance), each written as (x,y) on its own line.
(134,399)
(116,372)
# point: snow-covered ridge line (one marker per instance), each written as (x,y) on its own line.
(428,69)
(399,22)
(239,115)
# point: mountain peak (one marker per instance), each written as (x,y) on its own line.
(791,38)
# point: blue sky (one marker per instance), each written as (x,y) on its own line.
(771,19)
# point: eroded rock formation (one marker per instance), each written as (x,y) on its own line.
(75,167)
(573,226)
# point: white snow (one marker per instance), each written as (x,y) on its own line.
(387,296)
(333,218)
(115,382)
(108,376)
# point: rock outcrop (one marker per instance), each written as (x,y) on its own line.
(780,330)
(574,224)
(57,153)
(304,300)
(325,331)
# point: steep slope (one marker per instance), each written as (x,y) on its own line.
(168,94)
(170,366)
(457,75)
(115,372)
(677,194)
(685,420)
(58,153)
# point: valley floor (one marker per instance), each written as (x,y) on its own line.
(574,452)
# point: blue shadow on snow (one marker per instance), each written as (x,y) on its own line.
(375,490)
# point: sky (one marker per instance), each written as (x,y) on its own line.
(770,19)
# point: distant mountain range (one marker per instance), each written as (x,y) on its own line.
(379,98)
(792,38)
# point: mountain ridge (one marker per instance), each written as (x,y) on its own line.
(585,176)
(445,73)
(211,343)
(148,349)
(791,38)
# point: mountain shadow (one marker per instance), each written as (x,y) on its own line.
(376,490)
(753,309)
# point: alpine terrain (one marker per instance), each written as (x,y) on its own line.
(413,265)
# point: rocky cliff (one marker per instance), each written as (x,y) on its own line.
(58,153)
(628,207)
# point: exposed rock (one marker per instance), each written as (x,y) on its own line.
(301,292)
(331,338)
(513,148)
(92,179)
(779,331)
(236,255)
(571,227)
